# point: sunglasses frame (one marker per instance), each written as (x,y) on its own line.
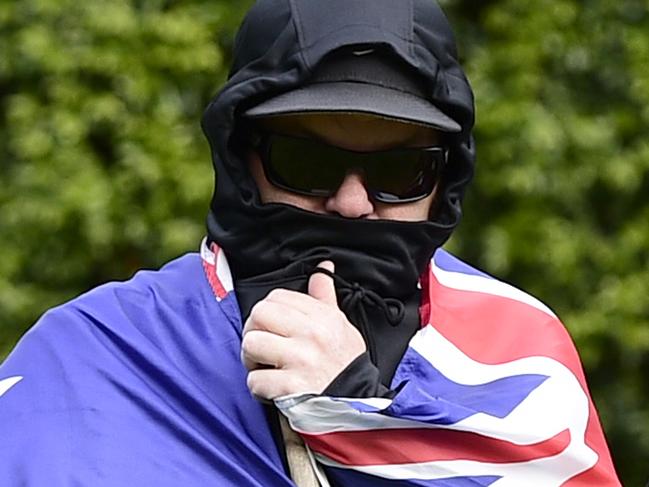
(263,145)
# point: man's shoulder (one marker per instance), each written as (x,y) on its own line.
(475,303)
(179,280)
(449,274)
(162,320)
(146,309)
(491,320)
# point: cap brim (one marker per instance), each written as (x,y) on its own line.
(352,97)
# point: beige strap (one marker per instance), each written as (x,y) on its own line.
(299,462)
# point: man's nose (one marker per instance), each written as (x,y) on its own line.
(351,199)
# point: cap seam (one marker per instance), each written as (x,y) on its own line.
(297,23)
(411,31)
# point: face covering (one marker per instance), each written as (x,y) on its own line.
(378,265)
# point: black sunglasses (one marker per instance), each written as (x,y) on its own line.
(313,168)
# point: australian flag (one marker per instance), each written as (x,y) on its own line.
(141,383)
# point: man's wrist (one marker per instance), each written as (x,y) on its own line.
(361,378)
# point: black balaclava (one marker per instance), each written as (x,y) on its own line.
(275,245)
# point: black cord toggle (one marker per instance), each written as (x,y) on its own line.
(353,300)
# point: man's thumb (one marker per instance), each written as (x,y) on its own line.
(321,286)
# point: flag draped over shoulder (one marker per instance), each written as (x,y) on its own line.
(141,383)
(490,392)
(136,383)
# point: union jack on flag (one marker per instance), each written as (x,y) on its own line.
(489,393)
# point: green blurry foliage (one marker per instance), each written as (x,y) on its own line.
(560,205)
(103,166)
(104,169)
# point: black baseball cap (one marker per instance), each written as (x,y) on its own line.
(361,80)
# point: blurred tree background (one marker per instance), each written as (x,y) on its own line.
(104,169)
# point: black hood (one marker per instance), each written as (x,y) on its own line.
(279,44)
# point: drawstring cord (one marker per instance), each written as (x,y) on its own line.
(353,300)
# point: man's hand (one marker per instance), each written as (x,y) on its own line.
(298,343)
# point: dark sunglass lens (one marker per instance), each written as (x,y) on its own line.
(310,167)
(303,165)
(403,175)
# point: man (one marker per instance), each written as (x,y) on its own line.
(342,146)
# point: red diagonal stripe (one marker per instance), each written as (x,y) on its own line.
(217,288)
(397,446)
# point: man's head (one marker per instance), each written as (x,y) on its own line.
(371,219)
